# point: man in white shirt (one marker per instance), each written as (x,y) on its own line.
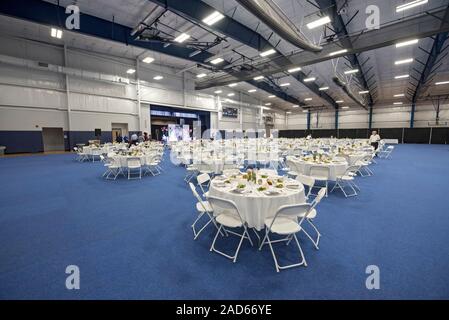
(374,140)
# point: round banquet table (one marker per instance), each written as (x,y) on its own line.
(335,168)
(123,160)
(257,206)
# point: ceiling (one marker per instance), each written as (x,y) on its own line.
(381,61)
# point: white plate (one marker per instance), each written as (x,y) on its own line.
(292,186)
(272,192)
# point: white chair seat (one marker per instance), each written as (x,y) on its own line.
(134,166)
(229,220)
(319,178)
(292,173)
(207,205)
(347,178)
(283,225)
(311,215)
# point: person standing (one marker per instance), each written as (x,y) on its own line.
(374,140)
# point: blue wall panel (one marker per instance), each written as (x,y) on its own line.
(22,141)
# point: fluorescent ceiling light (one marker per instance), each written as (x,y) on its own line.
(406,43)
(284,84)
(351,71)
(271,97)
(441,82)
(397,103)
(338,52)
(288,112)
(259,78)
(399,95)
(404,61)
(56,33)
(201,75)
(268,104)
(213,18)
(158,78)
(318,22)
(267,53)
(305,111)
(266,108)
(232,85)
(339,101)
(218,91)
(231,94)
(294,70)
(148,60)
(295,106)
(309,79)
(182,37)
(217,61)
(345,107)
(410,5)
(402,76)
(323,88)
(252,90)
(363,92)
(130,71)
(308,99)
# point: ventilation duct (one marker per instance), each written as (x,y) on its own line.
(346,89)
(269,13)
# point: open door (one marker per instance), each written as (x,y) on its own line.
(53,139)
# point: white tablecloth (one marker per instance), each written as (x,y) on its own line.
(335,169)
(256,206)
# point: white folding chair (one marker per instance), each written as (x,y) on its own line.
(386,153)
(286,224)
(114,169)
(202,179)
(292,169)
(191,171)
(203,208)
(151,166)
(134,164)
(364,169)
(306,181)
(347,180)
(320,173)
(229,218)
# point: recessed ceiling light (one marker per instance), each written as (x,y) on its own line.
(345,107)
(267,52)
(410,5)
(363,92)
(406,43)
(56,33)
(218,92)
(259,78)
(318,22)
(232,85)
(201,75)
(158,78)
(271,97)
(213,18)
(231,94)
(182,37)
(399,95)
(130,71)
(404,61)
(339,101)
(402,76)
(441,82)
(397,103)
(294,70)
(308,99)
(338,52)
(148,60)
(309,79)
(351,71)
(217,61)
(252,90)
(284,84)
(323,88)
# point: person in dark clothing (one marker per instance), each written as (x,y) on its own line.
(119,138)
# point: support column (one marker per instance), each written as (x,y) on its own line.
(370,118)
(336,119)
(412,115)
(67,92)
(308,119)
(139,105)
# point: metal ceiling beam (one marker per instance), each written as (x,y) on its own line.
(419,26)
(198,10)
(329,7)
(49,14)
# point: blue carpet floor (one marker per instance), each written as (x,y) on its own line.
(132,239)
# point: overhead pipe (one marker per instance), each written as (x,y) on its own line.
(270,14)
(346,89)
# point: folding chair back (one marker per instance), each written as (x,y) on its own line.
(225,204)
(319,172)
(292,210)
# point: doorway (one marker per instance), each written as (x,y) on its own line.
(53,139)
(119,129)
